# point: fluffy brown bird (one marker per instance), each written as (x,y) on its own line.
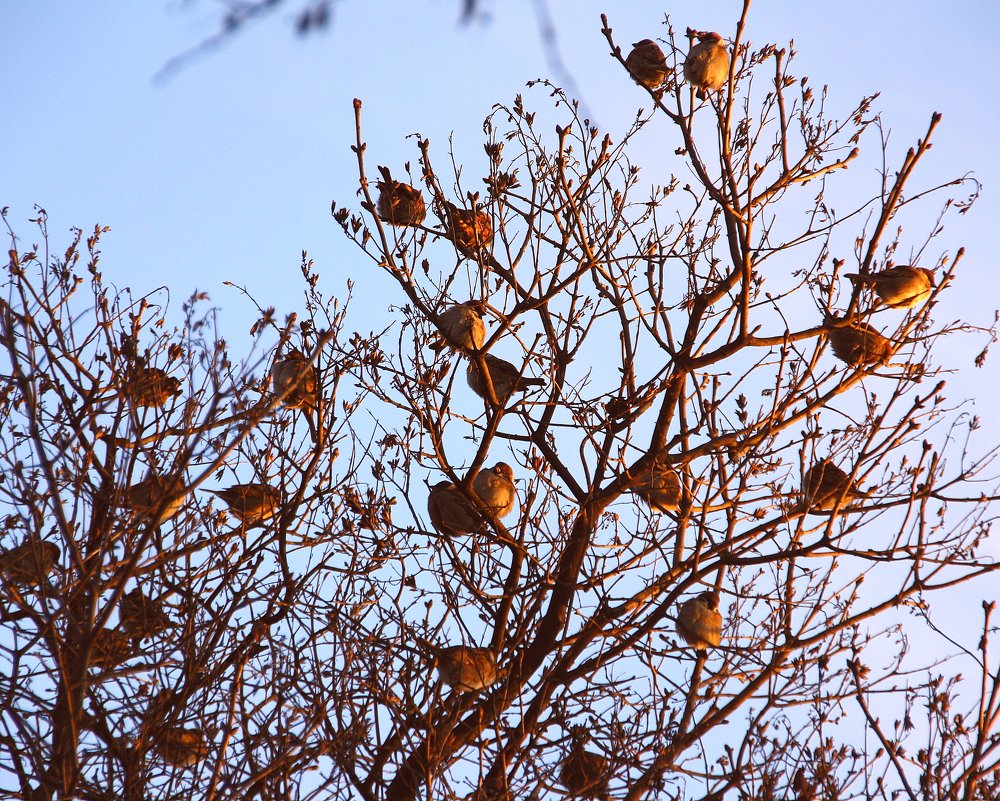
(825,484)
(647,64)
(495,488)
(467,668)
(141,617)
(253,504)
(151,386)
(471,231)
(462,327)
(699,622)
(506,378)
(858,343)
(30,563)
(898,287)
(451,513)
(159,497)
(583,773)
(295,381)
(179,746)
(399,203)
(659,487)
(706,67)
(110,648)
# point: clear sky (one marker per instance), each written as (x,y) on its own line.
(225,171)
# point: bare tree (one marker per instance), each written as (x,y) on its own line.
(640,496)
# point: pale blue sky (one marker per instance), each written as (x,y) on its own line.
(227,170)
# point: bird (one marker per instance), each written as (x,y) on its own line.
(141,617)
(295,381)
(469,230)
(495,488)
(647,64)
(251,503)
(30,563)
(156,496)
(857,343)
(467,668)
(706,67)
(505,377)
(825,484)
(699,622)
(180,746)
(659,487)
(398,203)
(462,327)
(151,386)
(109,648)
(451,513)
(898,287)
(583,773)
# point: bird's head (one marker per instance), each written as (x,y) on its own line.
(503,469)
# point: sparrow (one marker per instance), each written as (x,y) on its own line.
(469,230)
(399,203)
(179,746)
(495,488)
(295,381)
(898,287)
(647,64)
(462,327)
(251,503)
(583,773)
(506,379)
(467,668)
(156,496)
(151,386)
(858,343)
(451,513)
(110,648)
(706,67)
(699,622)
(30,563)
(825,484)
(141,617)
(659,487)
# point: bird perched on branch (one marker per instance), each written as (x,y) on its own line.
(659,487)
(505,377)
(857,343)
(399,203)
(898,287)
(706,67)
(181,747)
(141,617)
(151,386)
(451,513)
(647,64)
(471,231)
(466,668)
(159,497)
(699,621)
(583,773)
(110,648)
(825,484)
(295,381)
(495,488)
(175,744)
(462,326)
(30,563)
(253,504)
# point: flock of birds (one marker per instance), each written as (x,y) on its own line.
(457,510)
